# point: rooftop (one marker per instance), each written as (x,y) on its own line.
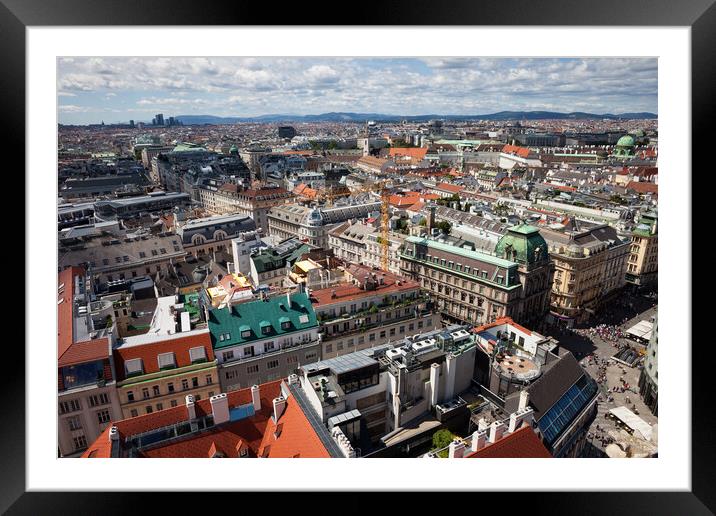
(256,320)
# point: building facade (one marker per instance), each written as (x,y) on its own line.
(643,263)
(371,308)
(156,372)
(590,267)
(87,398)
(260,341)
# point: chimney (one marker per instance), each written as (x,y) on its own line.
(496,430)
(190,406)
(516,418)
(479,439)
(524,398)
(256,397)
(292,379)
(113,434)
(220,408)
(482,424)
(431,219)
(279,405)
(434,388)
(457,449)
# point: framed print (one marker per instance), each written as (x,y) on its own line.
(359,245)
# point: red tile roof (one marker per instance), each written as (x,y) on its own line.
(641,187)
(87,351)
(515,149)
(65,328)
(500,322)
(70,352)
(417,153)
(179,345)
(256,434)
(350,292)
(447,187)
(520,444)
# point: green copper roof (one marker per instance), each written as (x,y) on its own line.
(626,141)
(467,253)
(231,322)
(522,244)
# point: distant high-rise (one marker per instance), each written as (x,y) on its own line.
(171,120)
(160,119)
(131,123)
(286,131)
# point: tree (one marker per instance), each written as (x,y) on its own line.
(444,226)
(441,439)
(423,222)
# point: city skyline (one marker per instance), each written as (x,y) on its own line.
(118,89)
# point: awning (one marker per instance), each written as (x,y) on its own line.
(633,421)
(641,330)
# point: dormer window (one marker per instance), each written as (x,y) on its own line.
(133,367)
(166,361)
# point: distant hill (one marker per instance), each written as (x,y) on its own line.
(378,117)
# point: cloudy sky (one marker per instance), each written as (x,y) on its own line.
(118,89)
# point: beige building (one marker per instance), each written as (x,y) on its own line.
(368,309)
(643,264)
(156,372)
(476,287)
(590,263)
(358,242)
(251,202)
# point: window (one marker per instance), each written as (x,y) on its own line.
(195,381)
(145,393)
(293,359)
(329,348)
(286,325)
(166,361)
(133,412)
(98,399)
(185,384)
(209,379)
(133,367)
(249,351)
(74,423)
(230,375)
(170,387)
(103,416)
(80,442)
(148,409)
(246,334)
(272,364)
(252,369)
(69,406)
(160,406)
(197,354)
(173,403)
(156,390)
(227,355)
(311,356)
(269,346)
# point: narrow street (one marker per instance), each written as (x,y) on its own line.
(595,351)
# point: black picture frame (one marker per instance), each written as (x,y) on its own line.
(700,15)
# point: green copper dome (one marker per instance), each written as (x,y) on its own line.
(234,150)
(522,244)
(626,141)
